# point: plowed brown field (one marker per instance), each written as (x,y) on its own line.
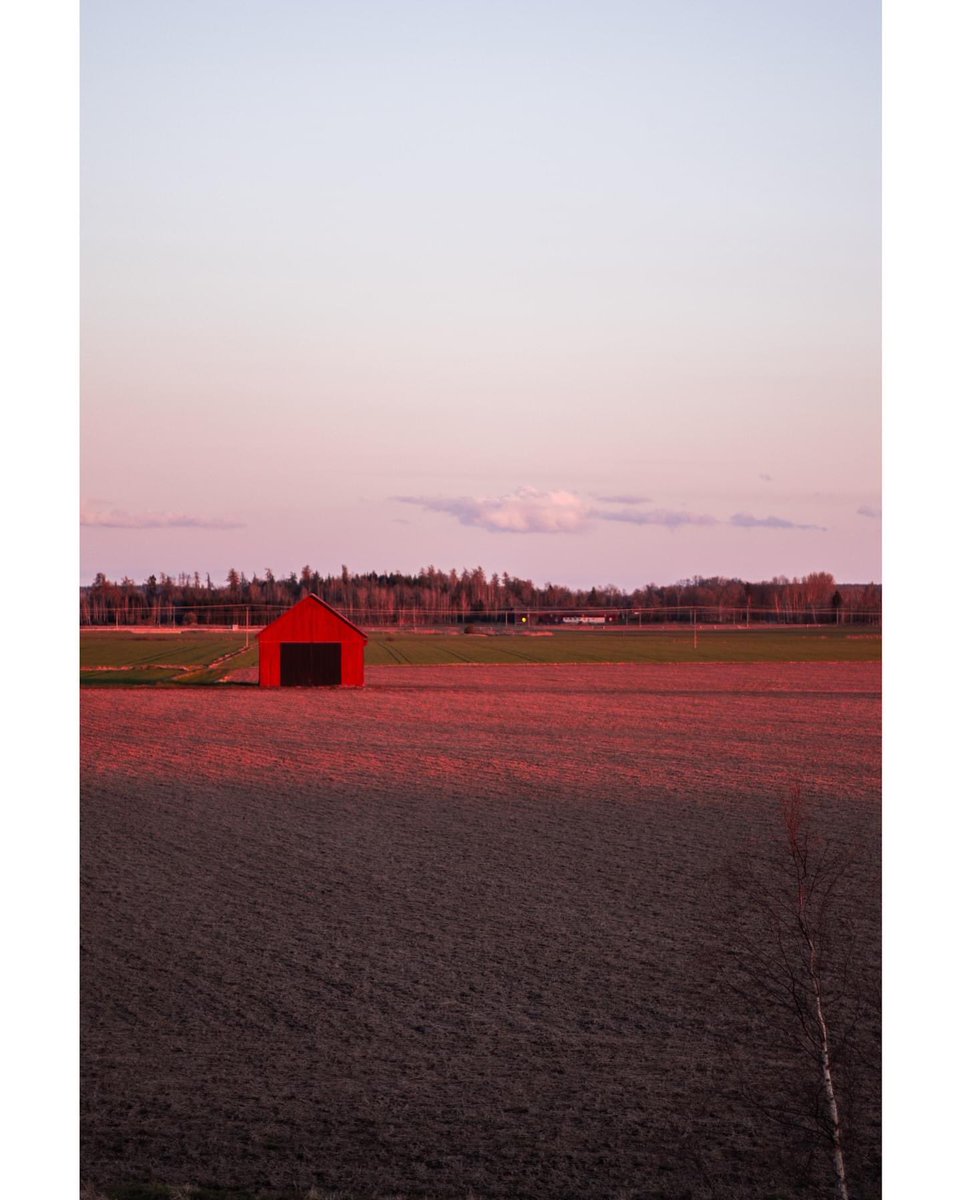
(463,928)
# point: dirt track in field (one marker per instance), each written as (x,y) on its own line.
(463,928)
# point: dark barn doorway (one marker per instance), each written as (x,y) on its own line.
(310,664)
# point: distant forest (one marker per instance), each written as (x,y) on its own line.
(469,596)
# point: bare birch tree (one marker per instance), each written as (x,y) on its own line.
(791,951)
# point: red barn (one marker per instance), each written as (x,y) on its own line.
(311,645)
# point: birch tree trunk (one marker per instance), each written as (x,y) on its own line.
(810,934)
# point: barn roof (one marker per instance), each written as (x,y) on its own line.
(312,599)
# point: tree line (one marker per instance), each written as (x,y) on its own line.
(466,595)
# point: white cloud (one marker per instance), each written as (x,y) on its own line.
(526,510)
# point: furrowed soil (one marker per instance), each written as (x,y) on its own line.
(466,929)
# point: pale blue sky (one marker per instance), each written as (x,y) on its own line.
(391,284)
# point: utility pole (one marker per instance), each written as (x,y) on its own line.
(694,622)
(246,628)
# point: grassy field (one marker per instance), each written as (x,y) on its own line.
(108,657)
(111,657)
(799,645)
(106,648)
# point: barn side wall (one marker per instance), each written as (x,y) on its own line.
(353,664)
(269,664)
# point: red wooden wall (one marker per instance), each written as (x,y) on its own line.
(311,620)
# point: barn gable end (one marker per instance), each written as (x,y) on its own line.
(311,623)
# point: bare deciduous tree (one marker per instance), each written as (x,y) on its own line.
(791,954)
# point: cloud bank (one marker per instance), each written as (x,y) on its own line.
(526,510)
(869,510)
(117,519)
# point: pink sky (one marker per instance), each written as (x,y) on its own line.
(586,294)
